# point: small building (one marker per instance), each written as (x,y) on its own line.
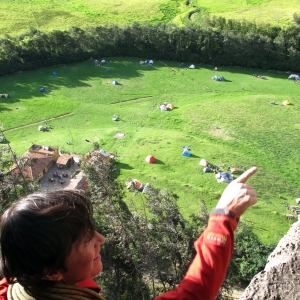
(36,166)
(45,150)
(65,161)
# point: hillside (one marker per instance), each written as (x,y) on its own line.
(19,16)
(228,123)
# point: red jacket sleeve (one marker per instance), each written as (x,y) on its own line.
(208,269)
(3,289)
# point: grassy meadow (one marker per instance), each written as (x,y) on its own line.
(18,16)
(228,123)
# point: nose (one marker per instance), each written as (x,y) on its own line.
(99,237)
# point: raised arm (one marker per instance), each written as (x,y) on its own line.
(215,246)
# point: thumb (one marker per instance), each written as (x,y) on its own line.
(246,175)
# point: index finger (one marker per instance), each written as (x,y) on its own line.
(246,175)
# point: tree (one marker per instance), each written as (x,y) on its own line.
(250,254)
(12,185)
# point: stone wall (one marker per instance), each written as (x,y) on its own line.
(281,277)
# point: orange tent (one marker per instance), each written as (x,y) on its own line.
(170,106)
(150,159)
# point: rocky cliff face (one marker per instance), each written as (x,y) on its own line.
(281,277)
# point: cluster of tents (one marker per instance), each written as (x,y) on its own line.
(166,106)
(220,176)
(147,61)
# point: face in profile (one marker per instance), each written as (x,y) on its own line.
(84,260)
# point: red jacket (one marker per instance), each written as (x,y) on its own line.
(207,271)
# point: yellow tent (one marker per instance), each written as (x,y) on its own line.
(286,102)
(170,106)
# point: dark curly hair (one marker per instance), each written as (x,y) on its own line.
(38,231)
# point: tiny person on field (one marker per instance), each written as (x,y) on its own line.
(51,250)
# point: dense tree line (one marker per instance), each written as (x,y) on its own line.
(220,42)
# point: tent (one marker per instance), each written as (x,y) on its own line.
(192,67)
(115,82)
(4,95)
(294,76)
(181,65)
(54,74)
(163,107)
(135,185)
(186,151)
(286,102)
(107,70)
(150,159)
(234,171)
(150,62)
(115,118)
(224,177)
(203,162)
(42,90)
(170,106)
(206,170)
(218,78)
(41,128)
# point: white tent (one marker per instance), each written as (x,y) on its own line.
(163,107)
(294,76)
(192,67)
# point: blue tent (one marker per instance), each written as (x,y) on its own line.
(186,151)
(115,82)
(42,90)
(54,74)
(107,70)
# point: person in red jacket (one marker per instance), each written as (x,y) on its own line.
(49,247)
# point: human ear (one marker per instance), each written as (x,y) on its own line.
(53,277)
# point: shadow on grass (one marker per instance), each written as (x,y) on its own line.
(26,85)
(194,156)
(159,162)
(123,166)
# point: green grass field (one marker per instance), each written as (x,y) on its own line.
(228,123)
(18,16)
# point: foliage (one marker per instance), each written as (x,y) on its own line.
(219,42)
(250,255)
(13,185)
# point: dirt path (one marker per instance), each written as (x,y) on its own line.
(128,100)
(38,122)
